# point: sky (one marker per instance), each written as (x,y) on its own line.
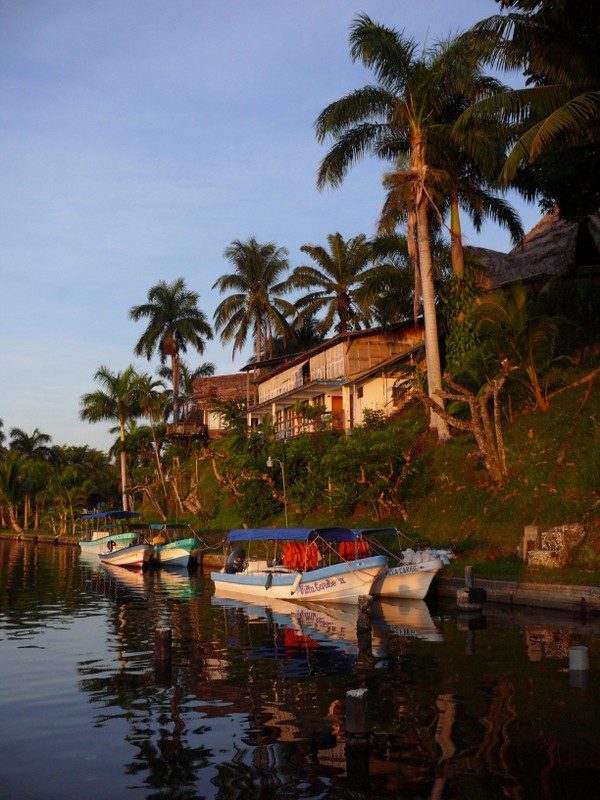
(138,139)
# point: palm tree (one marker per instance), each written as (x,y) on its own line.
(336,278)
(514,334)
(34,446)
(33,450)
(254,307)
(118,400)
(11,490)
(557,46)
(154,403)
(175,321)
(390,118)
(390,287)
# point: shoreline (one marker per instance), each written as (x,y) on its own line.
(580,599)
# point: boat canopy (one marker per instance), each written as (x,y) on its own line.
(375,531)
(290,534)
(115,514)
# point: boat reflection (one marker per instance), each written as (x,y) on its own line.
(125,583)
(337,625)
(410,618)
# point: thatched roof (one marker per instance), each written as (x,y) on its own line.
(553,248)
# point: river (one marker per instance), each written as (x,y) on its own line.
(253,702)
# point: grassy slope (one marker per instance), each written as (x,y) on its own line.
(554,462)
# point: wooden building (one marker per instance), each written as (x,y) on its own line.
(343,377)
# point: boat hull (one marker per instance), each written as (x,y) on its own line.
(177,553)
(138,555)
(407,581)
(107,544)
(340,583)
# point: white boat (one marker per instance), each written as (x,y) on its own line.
(410,574)
(176,544)
(111,536)
(136,555)
(300,564)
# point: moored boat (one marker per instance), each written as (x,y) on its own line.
(109,536)
(302,564)
(176,544)
(135,555)
(410,572)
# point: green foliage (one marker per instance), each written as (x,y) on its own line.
(458,301)
(366,468)
(374,420)
(575,305)
(256,504)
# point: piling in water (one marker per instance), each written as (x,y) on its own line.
(162,644)
(357,721)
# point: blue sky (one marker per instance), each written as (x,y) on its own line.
(138,140)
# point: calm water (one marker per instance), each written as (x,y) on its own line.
(253,704)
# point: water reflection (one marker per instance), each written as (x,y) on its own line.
(253,700)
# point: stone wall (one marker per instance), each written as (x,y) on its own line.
(556,545)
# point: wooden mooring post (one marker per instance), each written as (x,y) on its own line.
(363,632)
(162,656)
(357,742)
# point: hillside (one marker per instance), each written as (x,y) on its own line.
(554,465)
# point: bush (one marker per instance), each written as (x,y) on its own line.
(257,503)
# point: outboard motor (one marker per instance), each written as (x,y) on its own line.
(235,561)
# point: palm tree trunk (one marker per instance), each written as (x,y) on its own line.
(432,347)
(175,372)
(457,252)
(123,460)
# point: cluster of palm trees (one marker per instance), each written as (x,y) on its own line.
(454,138)
(45,484)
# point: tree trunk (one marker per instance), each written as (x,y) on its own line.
(432,347)
(123,460)
(458,255)
(175,373)
(12,518)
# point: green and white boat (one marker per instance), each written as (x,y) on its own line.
(109,535)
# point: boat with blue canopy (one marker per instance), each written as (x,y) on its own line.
(108,532)
(303,564)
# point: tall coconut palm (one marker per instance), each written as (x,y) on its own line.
(389,118)
(334,281)
(175,322)
(254,307)
(118,400)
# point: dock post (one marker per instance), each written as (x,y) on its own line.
(162,656)
(579,666)
(357,741)
(357,720)
(162,644)
(364,658)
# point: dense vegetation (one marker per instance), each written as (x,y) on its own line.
(512,392)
